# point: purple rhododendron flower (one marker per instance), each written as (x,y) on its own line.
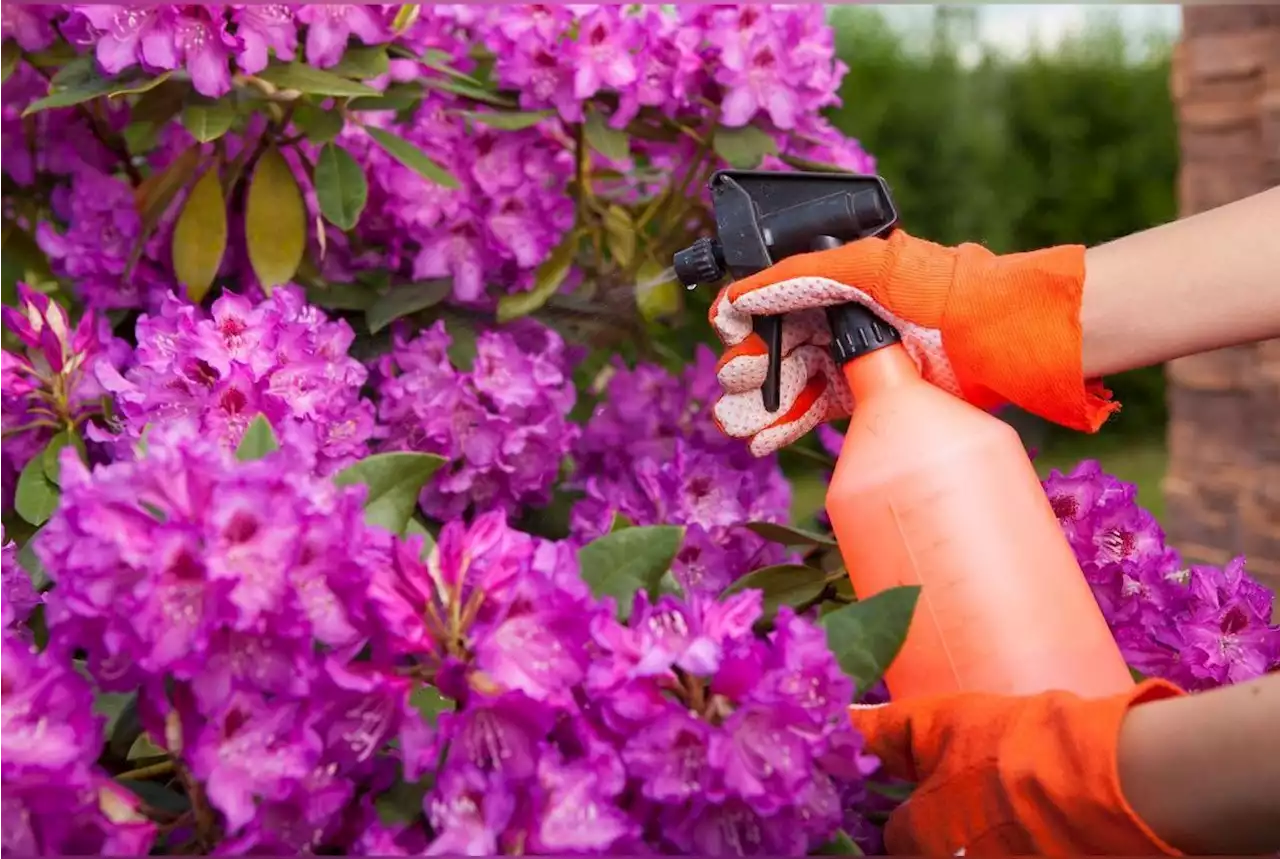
(1200,627)
(55,798)
(94,249)
(18,596)
(652,453)
(329,25)
(314,685)
(234,597)
(503,426)
(280,358)
(49,386)
(262,30)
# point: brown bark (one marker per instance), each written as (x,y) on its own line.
(1223,485)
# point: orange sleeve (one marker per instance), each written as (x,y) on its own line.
(1035,777)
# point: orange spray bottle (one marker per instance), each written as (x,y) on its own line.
(928,490)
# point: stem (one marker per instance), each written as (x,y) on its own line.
(581,190)
(206,821)
(28,426)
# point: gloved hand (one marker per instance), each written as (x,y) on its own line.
(1002,775)
(992,329)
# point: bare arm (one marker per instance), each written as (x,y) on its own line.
(1206,282)
(1203,771)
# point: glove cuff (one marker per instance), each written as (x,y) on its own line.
(1011,330)
(1060,772)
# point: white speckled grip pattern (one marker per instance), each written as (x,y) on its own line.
(807,367)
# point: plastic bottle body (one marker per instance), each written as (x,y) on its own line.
(931,491)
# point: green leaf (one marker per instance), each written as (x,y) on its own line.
(158,190)
(145,747)
(22,260)
(620,235)
(318,124)
(397,97)
(404,300)
(395,480)
(52,456)
(10,53)
(312,81)
(259,439)
(839,845)
(29,561)
(438,60)
(668,586)
(75,83)
(341,296)
(429,703)
(401,804)
(158,796)
(126,727)
(112,705)
(621,563)
(200,236)
(36,496)
(546,281)
(58,54)
(612,143)
(140,87)
(208,119)
(867,635)
(782,584)
(469,90)
(509,120)
(462,348)
(139,137)
(363,63)
(415,528)
(340,187)
(412,157)
(743,147)
(275,221)
(896,791)
(160,104)
(785,535)
(1138,676)
(78,69)
(658,294)
(620,522)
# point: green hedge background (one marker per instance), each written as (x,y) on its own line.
(1074,144)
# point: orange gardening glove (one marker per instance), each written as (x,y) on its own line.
(1000,775)
(992,329)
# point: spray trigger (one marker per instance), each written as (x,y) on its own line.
(763,217)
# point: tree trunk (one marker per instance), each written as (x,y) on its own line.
(1223,484)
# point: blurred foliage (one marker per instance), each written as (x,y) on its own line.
(1074,144)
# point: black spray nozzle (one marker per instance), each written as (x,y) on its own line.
(763,217)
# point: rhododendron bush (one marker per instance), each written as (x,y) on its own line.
(360,492)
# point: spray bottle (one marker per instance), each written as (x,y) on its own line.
(928,490)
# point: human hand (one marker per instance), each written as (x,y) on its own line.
(1005,775)
(991,329)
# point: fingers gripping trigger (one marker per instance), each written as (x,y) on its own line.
(810,394)
(743,367)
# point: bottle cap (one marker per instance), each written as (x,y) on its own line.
(856,331)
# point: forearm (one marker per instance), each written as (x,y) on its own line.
(1202,283)
(1203,771)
